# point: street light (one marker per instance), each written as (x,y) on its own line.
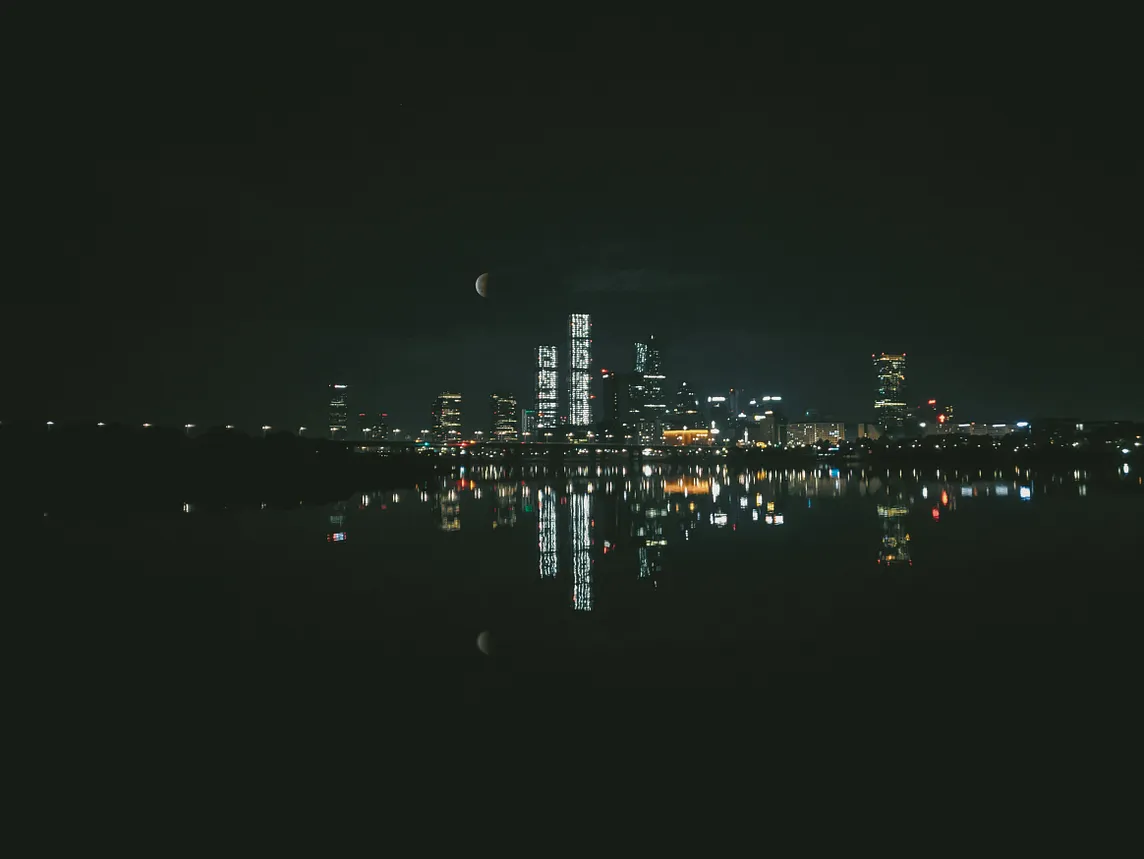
(265,429)
(301,430)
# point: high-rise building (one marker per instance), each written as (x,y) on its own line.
(685,414)
(812,432)
(528,424)
(504,417)
(641,358)
(655,395)
(890,407)
(616,398)
(547,390)
(579,371)
(338,399)
(447,418)
(718,415)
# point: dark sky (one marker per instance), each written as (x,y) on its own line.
(219,217)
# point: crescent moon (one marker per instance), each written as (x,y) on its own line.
(483,285)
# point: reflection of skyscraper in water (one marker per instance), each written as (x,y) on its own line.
(546,526)
(895,537)
(505,512)
(580,525)
(448,506)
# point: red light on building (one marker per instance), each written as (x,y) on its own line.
(936,513)
(932,402)
(941,419)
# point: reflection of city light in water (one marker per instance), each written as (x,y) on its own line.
(546,527)
(579,523)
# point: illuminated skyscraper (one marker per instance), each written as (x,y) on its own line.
(339,411)
(504,417)
(547,389)
(685,413)
(579,370)
(447,418)
(655,397)
(890,404)
(528,424)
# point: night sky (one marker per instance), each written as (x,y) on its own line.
(219,217)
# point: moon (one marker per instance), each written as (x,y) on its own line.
(483,285)
(484,642)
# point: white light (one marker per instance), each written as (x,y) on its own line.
(1125,450)
(1022,424)
(51,423)
(341,387)
(100,424)
(1125,468)
(922,424)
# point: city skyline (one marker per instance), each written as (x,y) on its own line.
(773,210)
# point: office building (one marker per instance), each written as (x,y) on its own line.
(813,432)
(503,412)
(616,403)
(890,408)
(547,390)
(446,416)
(718,416)
(685,413)
(528,424)
(655,397)
(375,428)
(764,429)
(339,411)
(579,371)
(932,419)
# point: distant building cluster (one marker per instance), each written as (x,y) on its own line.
(639,406)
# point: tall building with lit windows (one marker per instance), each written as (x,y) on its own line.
(447,418)
(338,399)
(504,417)
(655,397)
(579,370)
(547,389)
(890,407)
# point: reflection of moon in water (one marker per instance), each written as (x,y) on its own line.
(484,642)
(483,285)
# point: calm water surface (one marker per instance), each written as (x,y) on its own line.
(626,576)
